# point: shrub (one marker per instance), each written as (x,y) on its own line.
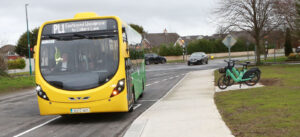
(3,66)
(216,46)
(170,50)
(294,56)
(16,64)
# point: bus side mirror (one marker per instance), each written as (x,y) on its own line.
(124,35)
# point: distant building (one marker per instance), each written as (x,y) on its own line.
(8,51)
(156,39)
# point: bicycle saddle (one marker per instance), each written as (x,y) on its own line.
(246,63)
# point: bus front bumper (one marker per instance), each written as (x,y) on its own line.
(114,104)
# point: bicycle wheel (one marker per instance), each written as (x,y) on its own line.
(223,82)
(255,76)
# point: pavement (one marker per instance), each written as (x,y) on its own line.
(187,110)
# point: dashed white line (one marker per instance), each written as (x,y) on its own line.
(36,127)
(148,100)
(136,106)
(171,77)
(148,85)
(155,82)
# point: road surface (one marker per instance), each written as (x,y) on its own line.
(19,115)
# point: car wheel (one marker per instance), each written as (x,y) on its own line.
(163,61)
(147,62)
(189,63)
(206,62)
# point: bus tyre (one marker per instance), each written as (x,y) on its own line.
(133,102)
(255,78)
(142,94)
(223,82)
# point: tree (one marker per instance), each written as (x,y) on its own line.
(3,66)
(22,45)
(257,17)
(298,18)
(138,28)
(288,43)
(287,10)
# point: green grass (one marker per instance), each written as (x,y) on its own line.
(175,61)
(270,111)
(16,82)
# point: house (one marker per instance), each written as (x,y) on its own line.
(9,52)
(185,40)
(157,39)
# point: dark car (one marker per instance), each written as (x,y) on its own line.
(154,58)
(298,49)
(198,58)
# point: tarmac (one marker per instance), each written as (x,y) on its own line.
(187,110)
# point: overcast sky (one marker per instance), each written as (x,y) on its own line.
(188,17)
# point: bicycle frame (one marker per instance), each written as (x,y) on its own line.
(239,75)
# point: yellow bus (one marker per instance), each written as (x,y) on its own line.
(88,64)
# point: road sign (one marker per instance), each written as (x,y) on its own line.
(229,41)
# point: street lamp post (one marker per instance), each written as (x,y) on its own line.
(28,41)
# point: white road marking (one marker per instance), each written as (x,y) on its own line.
(176,76)
(148,100)
(164,79)
(36,127)
(171,77)
(136,106)
(155,82)
(148,85)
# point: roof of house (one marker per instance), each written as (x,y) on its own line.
(157,39)
(7,48)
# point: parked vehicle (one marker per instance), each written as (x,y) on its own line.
(232,75)
(298,49)
(151,58)
(198,58)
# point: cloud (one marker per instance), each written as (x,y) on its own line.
(187,17)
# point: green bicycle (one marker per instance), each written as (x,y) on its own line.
(232,75)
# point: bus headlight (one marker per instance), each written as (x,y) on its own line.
(41,93)
(119,88)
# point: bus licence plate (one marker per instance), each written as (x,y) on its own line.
(80,110)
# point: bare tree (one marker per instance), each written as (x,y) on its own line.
(287,9)
(257,17)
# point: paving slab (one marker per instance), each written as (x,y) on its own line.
(188,110)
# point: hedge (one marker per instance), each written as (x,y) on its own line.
(216,46)
(16,64)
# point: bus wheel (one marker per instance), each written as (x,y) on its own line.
(143,84)
(133,97)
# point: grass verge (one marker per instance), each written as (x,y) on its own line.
(270,111)
(175,61)
(16,82)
